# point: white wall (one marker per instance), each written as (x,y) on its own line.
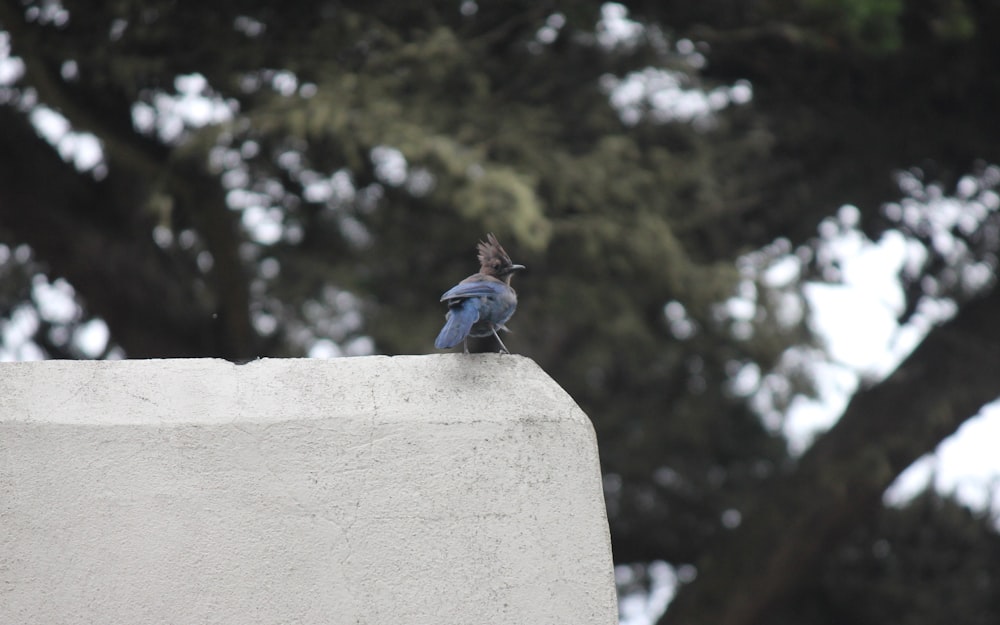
(408,490)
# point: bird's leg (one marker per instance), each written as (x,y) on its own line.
(465,343)
(503,348)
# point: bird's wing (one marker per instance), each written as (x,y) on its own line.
(476,288)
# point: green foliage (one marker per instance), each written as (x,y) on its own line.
(870,24)
(368,148)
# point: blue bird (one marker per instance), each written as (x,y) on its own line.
(482,303)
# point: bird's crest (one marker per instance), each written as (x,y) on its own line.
(493,259)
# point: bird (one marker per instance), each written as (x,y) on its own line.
(482,303)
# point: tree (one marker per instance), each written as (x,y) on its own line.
(344,160)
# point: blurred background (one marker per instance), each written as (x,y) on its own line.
(761,241)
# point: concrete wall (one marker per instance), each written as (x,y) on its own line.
(409,490)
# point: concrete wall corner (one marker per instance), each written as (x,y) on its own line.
(416,489)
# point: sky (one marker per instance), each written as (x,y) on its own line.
(857,320)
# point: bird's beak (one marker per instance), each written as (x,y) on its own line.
(517,267)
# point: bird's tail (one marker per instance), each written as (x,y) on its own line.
(459,321)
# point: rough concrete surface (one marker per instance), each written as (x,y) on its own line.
(407,490)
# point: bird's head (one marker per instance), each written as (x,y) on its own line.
(494,261)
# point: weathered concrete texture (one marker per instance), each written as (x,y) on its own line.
(408,490)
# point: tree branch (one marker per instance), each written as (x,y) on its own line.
(147,298)
(133,157)
(145,157)
(840,480)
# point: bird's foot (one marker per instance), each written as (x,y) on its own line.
(503,348)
